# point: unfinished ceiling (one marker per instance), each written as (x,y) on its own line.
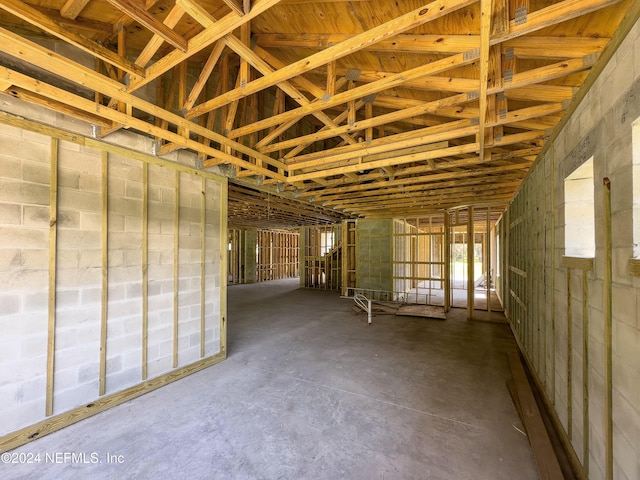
(363,108)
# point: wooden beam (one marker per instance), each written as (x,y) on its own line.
(144,18)
(199,42)
(170,21)
(485,31)
(236,6)
(432,68)
(55,63)
(432,11)
(250,57)
(34,17)
(72,8)
(544,455)
(205,73)
(552,15)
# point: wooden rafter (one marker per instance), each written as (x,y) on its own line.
(144,18)
(33,16)
(435,10)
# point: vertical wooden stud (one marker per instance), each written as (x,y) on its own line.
(470,256)
(447,262)
(553,274)
(569,357)
(145,267)
(176,262)
(608,330)
(105,273)
(203,226)
(585,373)
(53,248)
(488,242)
(223,268)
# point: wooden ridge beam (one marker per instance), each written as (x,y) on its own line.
(432,11)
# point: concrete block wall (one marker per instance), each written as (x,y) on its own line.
(602,127)
(374,261)
(25,185)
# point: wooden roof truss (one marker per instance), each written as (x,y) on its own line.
(363,108)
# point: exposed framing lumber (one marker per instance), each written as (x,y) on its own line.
(470,262)
(104,239)
(57,422)
(72,8)
(144,18)
(485,31)
(40,20)
(607,291)
(203,229)
(172,19)
(432,68)
(524,47)
(53,255)
(176,266)
(524,79)
(548,466)
(118,117)
(434,10)
(145,269)
(201,41)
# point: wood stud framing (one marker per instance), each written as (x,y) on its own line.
(319,108)
(104,399)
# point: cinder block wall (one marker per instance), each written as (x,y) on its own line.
(558,308)
(26,267)
(374,251)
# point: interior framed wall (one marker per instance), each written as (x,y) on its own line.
(113,264)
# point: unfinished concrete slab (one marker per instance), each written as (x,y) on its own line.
(309,390)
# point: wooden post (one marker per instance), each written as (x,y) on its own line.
(53,249)
(176,262)
(608,329)
(470,256)
(553,275)
(447,262)
(223,268)
(203,226)
(569,355)
(488,279)
(585,373)
(145,267)
(105,273)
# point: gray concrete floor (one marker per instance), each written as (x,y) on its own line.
(309,391)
